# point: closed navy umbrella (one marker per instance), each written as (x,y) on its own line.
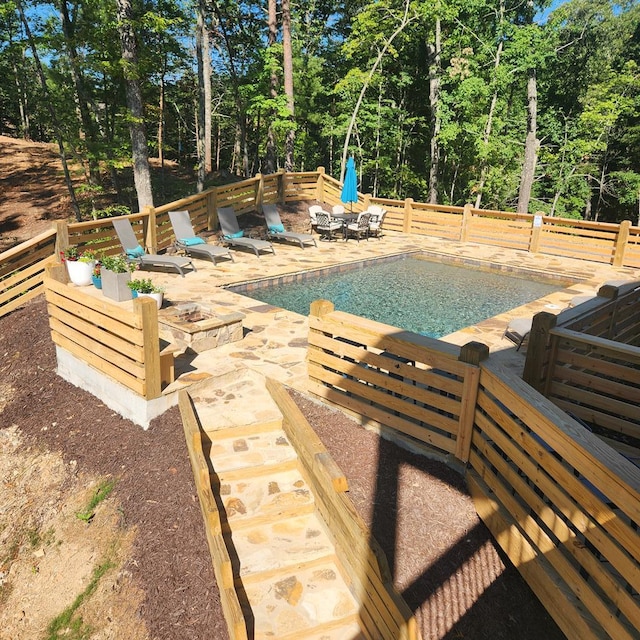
(350,187)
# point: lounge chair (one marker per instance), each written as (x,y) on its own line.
(234,236)
(192,244)
(359,228)
(276,230)
(376,219)
(327,225)
(518,330)
(136,254)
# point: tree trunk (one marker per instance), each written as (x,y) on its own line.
(434,102)
(52,113)
(272,23)
(530,145)
(161,107)
(202,80)
(140,151)
(345,148)
(487,129)
(288,83)
(88,125)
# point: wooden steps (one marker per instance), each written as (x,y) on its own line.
(279,564)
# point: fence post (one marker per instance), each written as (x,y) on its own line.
(621,244)
(259,194)
(466,221)
(147,311)
(537,349)
(472,353)
(212,209)
(320,185)
(408,215)
(366,201)
(150,229)
(536,232)
(282,176)
(62,238)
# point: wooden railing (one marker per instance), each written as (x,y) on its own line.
(616,244)
(563,505)
(118,343)
(424,387)
(22,270)
(587,360)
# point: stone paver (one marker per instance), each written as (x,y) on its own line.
(274,341)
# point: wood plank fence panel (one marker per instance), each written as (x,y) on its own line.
(570,501)
(410,382)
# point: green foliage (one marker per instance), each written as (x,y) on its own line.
(586,56)
(68,625)
(100,494)
(116,263)
(144,285)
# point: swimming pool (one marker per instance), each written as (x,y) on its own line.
(430,298)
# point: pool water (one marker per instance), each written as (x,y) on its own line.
(430,298)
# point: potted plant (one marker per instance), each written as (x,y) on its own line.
(80,265)
(145,287)
(96,276)
(115,272)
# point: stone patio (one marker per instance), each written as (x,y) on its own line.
(275,340)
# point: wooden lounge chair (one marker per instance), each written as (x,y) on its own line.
(276,230)
(192,244)
(136,254)
(234,236)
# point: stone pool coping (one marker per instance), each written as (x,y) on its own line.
(275,340)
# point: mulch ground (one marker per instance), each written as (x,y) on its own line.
(442,557)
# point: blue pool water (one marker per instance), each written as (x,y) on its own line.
(429,298)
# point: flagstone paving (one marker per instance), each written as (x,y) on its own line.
(274,342)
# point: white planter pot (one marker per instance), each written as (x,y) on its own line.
(158,297)
(80,272)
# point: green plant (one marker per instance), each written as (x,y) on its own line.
(144,285)
(117,263)
(102,492)
(66,625)
(74,253)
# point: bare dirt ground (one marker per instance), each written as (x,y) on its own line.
(136,566)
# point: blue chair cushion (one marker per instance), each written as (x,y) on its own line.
(237,234)
(190,242)
(276,228)
(138,252)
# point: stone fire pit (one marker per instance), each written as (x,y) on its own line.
(195,326)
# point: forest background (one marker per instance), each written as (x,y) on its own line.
(508,104)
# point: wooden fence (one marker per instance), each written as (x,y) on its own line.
(425,388)
(21,268)
(563,505)
(587,361)
(118,343)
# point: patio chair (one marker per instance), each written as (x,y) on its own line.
(313,210)
(192,244)
(136,254)
(375,220)
(276,230)
(234,236)
(518,330)
(327,225)
(337,209)
(359,228)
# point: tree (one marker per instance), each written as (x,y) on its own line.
(287,56)
(140,152)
